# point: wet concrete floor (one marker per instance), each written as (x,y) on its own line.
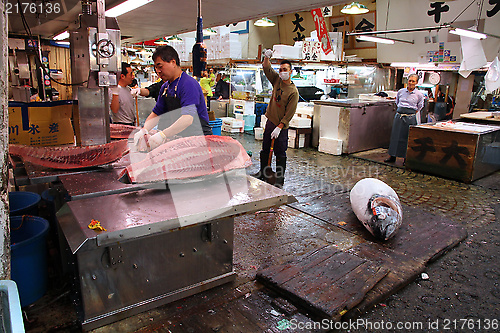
(461,293)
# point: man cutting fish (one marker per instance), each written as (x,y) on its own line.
(180,109)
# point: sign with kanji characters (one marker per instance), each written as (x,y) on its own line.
(41,124)
(322,30)
(311,51)
(327,11)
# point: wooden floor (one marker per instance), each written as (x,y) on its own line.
(343,281)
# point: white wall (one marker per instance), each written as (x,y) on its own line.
(413,14)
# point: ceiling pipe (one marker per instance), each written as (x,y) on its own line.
(397,30)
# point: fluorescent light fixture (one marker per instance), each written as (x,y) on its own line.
(354,8)
(264,22)
(125,7)
(61,36)
(467,33)
(375,39)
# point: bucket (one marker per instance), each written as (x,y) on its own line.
(216,126)
(259,133)
(29,256)
(249,121)
(23,203)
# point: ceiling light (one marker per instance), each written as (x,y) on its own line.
(375,39)
(354,8)
(209,31)
(125,7)
(161,41)
(264,22)
(61,36)
(467,33)
(174,37)
(136,60)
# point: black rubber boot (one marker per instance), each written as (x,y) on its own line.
(280,171)
(263,164)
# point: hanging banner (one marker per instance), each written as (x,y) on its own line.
(319,20)
(311,51)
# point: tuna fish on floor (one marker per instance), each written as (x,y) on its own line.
(377,206)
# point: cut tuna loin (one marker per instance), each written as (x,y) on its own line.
(189,157)
(71,157)
(120,131)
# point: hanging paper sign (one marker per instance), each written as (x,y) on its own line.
(327,11)
(319,20)
(311,51)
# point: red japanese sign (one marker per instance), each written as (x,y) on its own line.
(323,37)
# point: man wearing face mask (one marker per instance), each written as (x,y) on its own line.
(279,112)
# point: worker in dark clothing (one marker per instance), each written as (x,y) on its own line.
(223,88)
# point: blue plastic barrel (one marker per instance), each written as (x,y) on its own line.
(23,203)
(216,126)
(28,236)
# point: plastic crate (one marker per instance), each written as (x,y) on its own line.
(10,307)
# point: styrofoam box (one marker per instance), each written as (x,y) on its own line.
(298,122)
(291,141)
(246,107)
(232,122)
(287,52)
(330,146)
(304,112)
(226,128)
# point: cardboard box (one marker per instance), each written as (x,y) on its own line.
(41,123)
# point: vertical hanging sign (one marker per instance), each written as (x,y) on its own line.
(323,37)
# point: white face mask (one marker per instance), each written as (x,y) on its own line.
(284,75)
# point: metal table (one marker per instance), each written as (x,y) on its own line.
(160,245)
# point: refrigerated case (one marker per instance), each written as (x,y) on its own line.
(361,125)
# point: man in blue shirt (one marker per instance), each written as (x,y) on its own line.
(409,102)
(180,108)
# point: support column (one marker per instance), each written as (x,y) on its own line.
(4,142)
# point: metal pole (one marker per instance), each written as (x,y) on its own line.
(398,30)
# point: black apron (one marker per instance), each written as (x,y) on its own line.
(173,113)
(403,119)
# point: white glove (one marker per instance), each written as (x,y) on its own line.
(157,140)
(140,139)
(268,53)
(135,92)
(275,133)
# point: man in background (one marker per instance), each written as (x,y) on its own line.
(122,101)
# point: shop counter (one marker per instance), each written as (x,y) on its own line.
(455,150)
